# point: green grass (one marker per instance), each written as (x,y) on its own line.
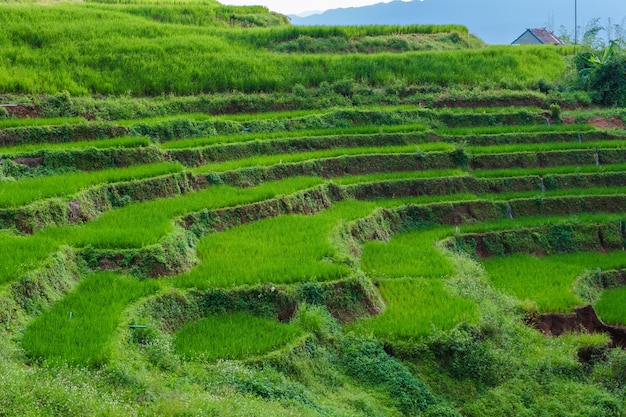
(21,254)
(330,153)
(414,307)
(172,58)
(121,142)
(548,280)
(406,255)
(610,306)
(141,224)
(282,250)
(80,328)
(19,193)
(232,336)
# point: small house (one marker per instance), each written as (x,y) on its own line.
(537,37)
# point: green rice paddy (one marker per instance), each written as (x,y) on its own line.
(547,281)
(18,193)
(325,313)
(280,250)
(141,224)
(85,320)
(415,307)
(121,142)
(232,336)
(610,306)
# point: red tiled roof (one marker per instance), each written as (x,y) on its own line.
(546,36)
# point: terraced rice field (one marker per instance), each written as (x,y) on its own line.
(377,220)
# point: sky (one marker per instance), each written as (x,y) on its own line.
(299,6)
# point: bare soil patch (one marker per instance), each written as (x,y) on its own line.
(606,123)
(21,110)
(584,319)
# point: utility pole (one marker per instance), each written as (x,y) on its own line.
(575,22)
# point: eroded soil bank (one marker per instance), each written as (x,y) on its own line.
(583,319)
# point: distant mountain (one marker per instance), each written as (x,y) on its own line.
(307,13)
(494,21)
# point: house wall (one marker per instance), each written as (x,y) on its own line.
(527,38)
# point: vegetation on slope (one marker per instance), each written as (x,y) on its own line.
(266,289)
(90,48)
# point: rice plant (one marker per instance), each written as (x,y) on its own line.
(571,169)
(329,132)
(141,224)
(232,336)
(410,254)
(20,254)
(121,142)
(415,307)
(80,328)
(548,280)
(266,160)
(37,121)
(18,193)
(391,176)
(282,250)
(539,147)
(610,306)
(497,130)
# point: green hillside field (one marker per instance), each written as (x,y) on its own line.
(207,211)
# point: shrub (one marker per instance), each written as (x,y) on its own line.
(607,83)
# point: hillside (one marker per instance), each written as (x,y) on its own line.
(494,22)
(206,211)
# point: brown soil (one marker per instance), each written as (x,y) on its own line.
(477,103)
(604,123)
(21,110)
(29,162)
(584,319)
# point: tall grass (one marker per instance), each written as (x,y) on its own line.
(282,250)
(141,224)
(86,49)
(79,329)
(232,336)
(414,307)
(18,193)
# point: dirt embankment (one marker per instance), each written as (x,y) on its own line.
(583,319)
(21,110)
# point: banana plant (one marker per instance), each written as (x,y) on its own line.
(594,62)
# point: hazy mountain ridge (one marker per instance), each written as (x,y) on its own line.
(494,21)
